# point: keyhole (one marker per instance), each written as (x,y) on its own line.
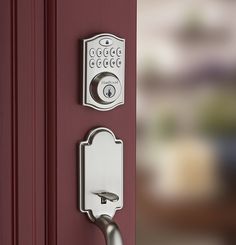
(109,93)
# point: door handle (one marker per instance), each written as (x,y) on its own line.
(100,168)
(110,230)
(108,227)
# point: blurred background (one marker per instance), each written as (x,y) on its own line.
(186,135)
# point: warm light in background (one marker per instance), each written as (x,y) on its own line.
(186,150)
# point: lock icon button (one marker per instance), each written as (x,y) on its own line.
(105,88)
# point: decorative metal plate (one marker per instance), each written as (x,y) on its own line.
(103,54)
(101,173)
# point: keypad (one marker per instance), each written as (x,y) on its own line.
(105,57)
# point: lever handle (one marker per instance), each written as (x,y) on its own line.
(110,230)
(108,227)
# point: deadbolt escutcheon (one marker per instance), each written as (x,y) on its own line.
(103,62)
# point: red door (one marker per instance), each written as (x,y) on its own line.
(42,119)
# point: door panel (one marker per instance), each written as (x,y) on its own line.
(71,21)
(42,120)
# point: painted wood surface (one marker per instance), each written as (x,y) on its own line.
(42,120)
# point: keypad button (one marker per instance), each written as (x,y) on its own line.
(92,63)
(113,62)
(99,52)
(113,52)
(99,63)
(118,62)
(106,52)
(119,52)
(105,42)
(106,63)
(92,52)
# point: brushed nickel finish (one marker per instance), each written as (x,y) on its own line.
(103,58)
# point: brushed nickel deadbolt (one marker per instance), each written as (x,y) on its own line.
(105,88)
(103,71)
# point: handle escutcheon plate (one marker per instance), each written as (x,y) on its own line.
(101,174)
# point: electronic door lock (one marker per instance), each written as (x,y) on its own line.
(103,72)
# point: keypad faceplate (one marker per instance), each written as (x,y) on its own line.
(104,53)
